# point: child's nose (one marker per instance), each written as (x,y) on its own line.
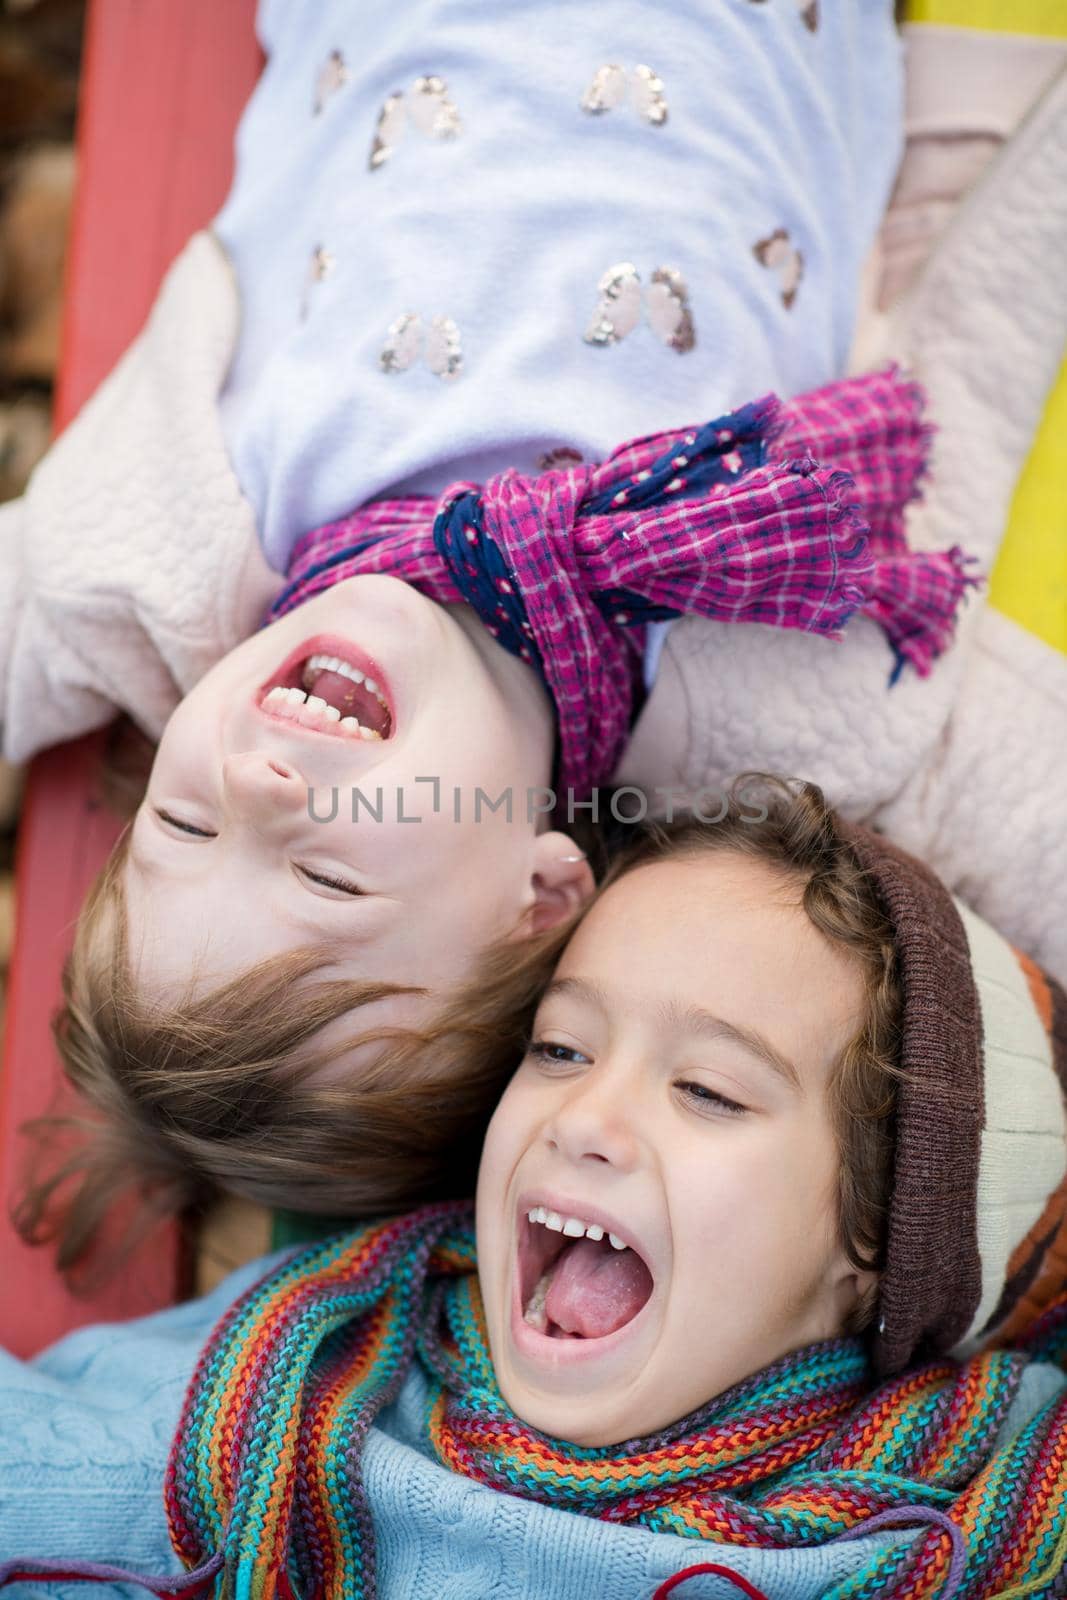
(263,789)
(596,1122)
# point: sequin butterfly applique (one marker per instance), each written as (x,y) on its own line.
(560,458)
(320,265)
(809,14)
(609,87)
(426,106)
(437,341)
(332,77)
(780,255)
(808,9)
(665,302)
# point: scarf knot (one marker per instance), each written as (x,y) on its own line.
(790,515)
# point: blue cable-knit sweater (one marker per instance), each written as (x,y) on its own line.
(85,1432)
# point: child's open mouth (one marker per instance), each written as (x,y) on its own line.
(577,1281)
(328,686)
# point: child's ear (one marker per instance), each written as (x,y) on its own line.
(854,1287)
(561,881)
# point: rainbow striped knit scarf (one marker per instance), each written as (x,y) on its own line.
(264,1487)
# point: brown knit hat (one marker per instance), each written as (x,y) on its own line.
(977,1235)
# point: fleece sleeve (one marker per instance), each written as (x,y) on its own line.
(132,564)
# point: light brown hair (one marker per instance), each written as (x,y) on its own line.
(229,1090)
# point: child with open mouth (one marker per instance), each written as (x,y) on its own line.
(762,1283)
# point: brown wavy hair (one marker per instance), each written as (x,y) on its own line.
(227,1091)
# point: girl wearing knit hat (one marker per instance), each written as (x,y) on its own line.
(764,1254)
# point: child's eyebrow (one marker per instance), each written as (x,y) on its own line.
(693,1020)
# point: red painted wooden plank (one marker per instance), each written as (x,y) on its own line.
(162,88)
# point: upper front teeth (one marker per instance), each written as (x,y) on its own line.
(573,1227)
(335,664)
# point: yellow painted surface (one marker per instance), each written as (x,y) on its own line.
(1046,18)
(1029,581)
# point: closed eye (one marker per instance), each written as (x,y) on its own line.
(327,882)
(184,827)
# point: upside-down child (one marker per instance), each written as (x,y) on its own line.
(781,1160)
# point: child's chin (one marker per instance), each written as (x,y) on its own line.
(595,1420)
(555,1378)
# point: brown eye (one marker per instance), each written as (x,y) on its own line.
(709,1100)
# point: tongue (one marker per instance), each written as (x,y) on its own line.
(351,699)
(596,1289)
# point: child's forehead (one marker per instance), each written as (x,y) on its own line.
(693,925)
(682,917)
(719,889)
(714,932)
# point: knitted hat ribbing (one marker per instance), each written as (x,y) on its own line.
(977,1232)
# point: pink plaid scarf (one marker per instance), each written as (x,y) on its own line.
(787,514)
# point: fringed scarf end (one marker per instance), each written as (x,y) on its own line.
(917,599)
